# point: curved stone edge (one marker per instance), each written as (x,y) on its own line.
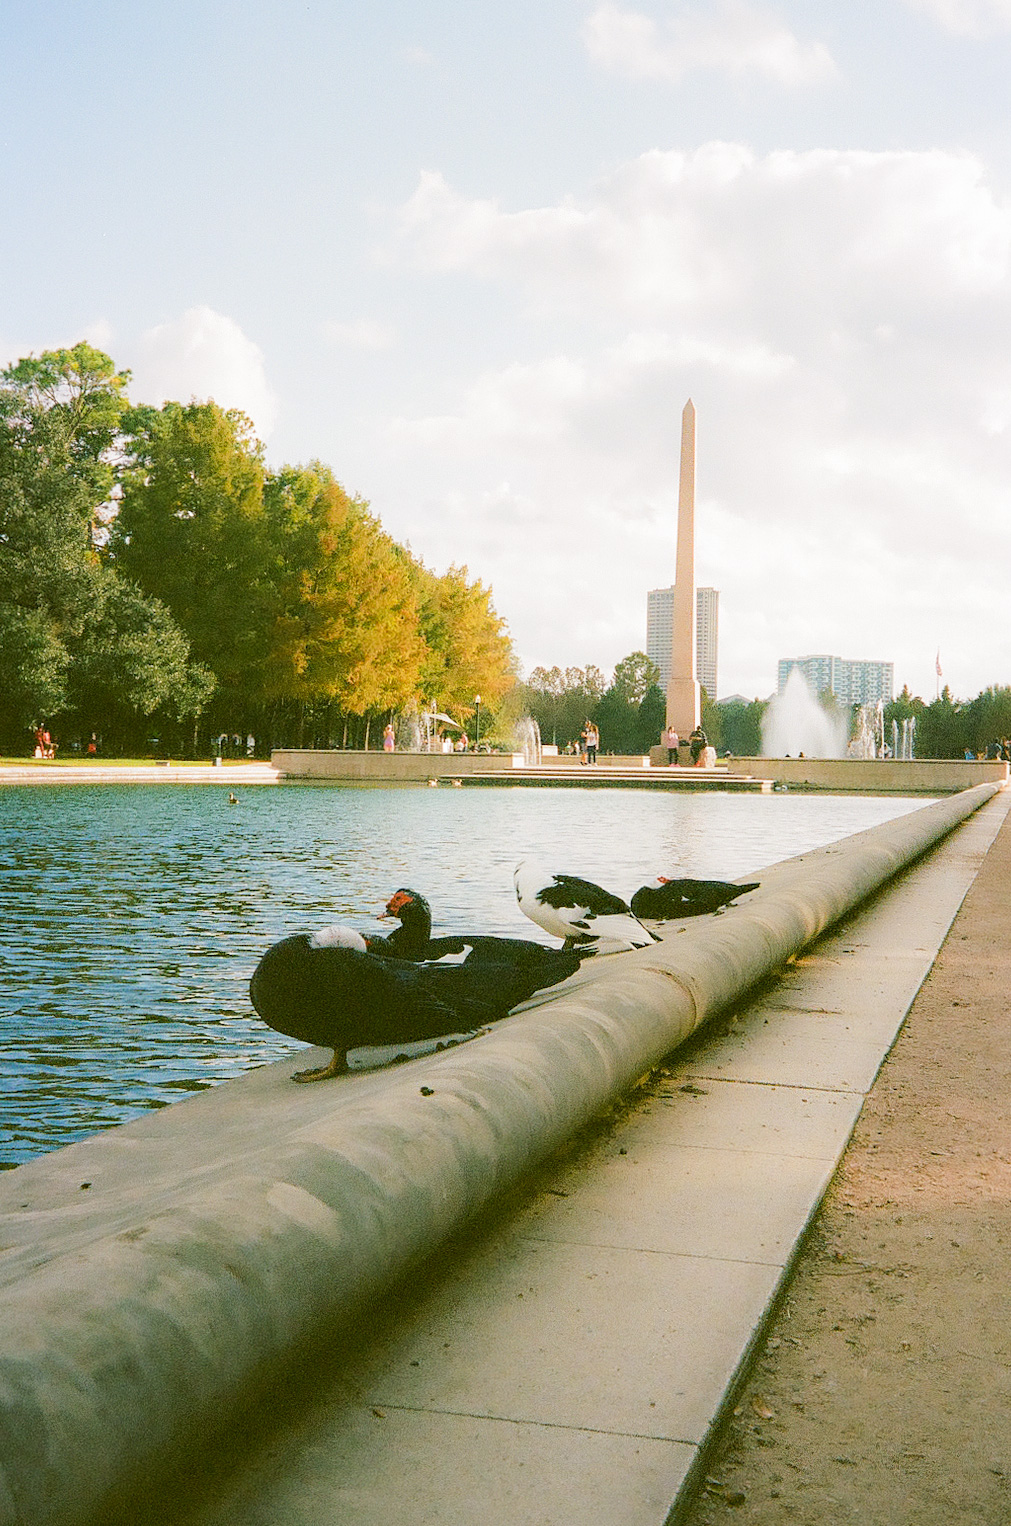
(118,1352)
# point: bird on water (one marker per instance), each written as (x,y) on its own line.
(588,917)
(664,899)
(326,988)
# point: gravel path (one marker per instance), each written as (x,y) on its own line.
(882,1394)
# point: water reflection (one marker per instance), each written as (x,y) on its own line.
(133,915)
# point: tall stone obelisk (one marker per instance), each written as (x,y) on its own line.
(684,700)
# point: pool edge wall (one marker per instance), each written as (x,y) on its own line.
(127,1343)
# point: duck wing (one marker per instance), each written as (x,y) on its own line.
(686,898)
(482,948)
(568,890)
(482,991)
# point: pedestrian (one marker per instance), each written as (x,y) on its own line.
(389,738)
(672,742)
(591,741)
(698,742)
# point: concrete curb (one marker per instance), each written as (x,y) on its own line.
(122,1347)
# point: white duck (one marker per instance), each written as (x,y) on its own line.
(585,915)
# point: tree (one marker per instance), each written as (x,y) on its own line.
(468,651)
(132,663)
(345,622)
(634,676)
(741,727)
(630,714)
(59,414)
(712,721)
(562,701)
(191,531)
(63,410)
(940,729)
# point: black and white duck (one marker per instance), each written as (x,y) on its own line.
(664,899)
(413,939)
(325,989)
(588,917)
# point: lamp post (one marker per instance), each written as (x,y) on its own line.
(477,730)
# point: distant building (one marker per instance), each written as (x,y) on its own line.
(659,627)
(852,683)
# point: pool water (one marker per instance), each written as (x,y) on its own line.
(133,915)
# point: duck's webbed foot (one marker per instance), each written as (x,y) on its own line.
(338,1067)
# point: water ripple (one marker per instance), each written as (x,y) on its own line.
(134,915)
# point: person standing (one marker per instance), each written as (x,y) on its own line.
(698,742)
(389,738)
(591,741)
(672,742)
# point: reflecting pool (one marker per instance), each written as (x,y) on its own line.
(133,915)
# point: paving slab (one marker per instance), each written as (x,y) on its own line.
(567,1360)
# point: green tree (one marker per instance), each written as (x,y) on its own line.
(652,717)
(191,531)
(133,663)
(741,727)
(59,415)
(988,718)
(561,702)
(634,676)
(712,721)
(941,731)
(63,411)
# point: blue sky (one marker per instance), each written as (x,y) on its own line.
(477,257)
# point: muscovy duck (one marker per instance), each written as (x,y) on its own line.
(413,939)
(410,939)
(582,913)
(665,898)
(323,989)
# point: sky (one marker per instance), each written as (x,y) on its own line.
(477,257)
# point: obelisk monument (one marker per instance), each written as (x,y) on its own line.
(684,700)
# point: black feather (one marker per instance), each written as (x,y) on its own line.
(686,898)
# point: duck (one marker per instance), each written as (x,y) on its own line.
(413,939)
(233,799)
(583,914)
(324,989)
(664,898)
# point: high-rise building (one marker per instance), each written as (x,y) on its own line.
(852,682)
(659,623)
(707,613)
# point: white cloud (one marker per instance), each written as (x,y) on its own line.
(730,36)
(842,320)
(204,354)
(967,18)
(361,334)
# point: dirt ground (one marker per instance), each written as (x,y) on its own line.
(882,1393)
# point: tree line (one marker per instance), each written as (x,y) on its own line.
(630,713)
(158,580)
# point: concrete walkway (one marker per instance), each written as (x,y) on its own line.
(568,1359)
(230,773)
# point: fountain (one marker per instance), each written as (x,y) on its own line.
(796,723)
(527,740)
(409,732)
(868,740)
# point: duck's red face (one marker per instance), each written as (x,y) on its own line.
(398,901)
